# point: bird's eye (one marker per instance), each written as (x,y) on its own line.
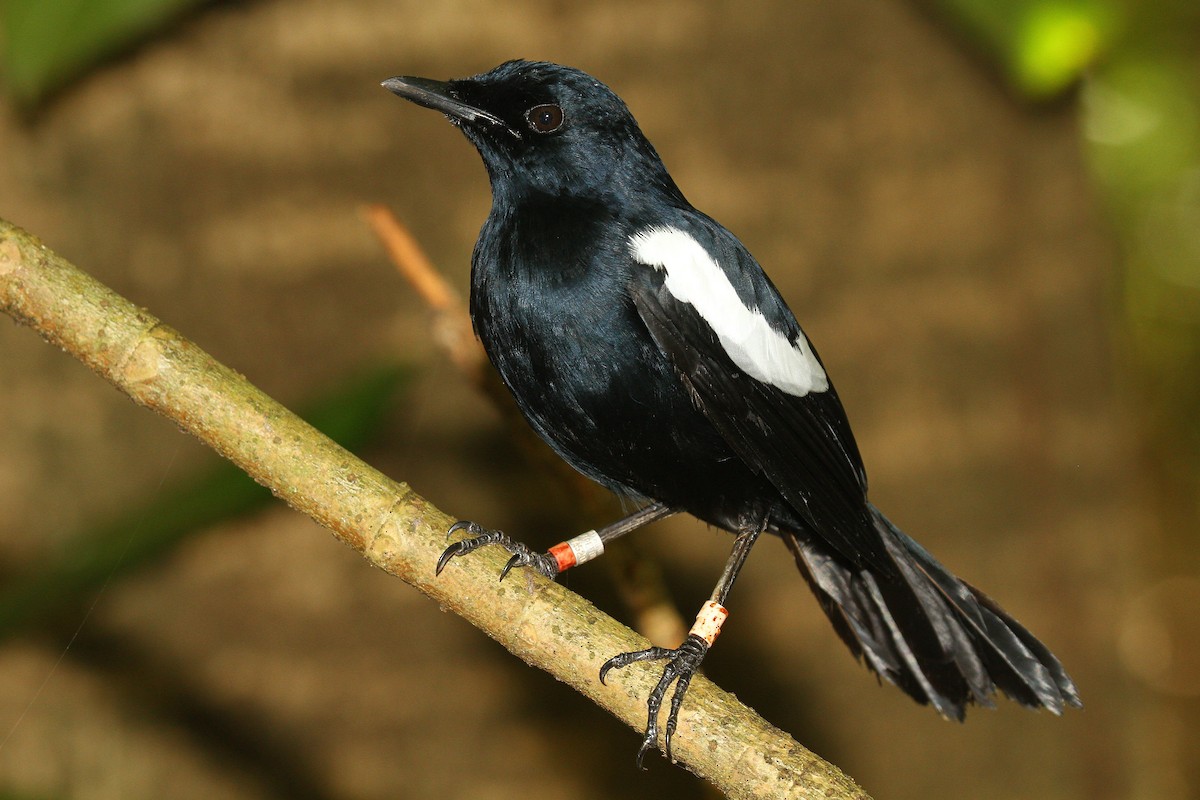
(546,118)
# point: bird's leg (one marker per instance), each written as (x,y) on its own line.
(684,661)
(559,558)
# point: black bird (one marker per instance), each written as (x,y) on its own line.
(645,344)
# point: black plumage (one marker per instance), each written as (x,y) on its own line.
(645,344)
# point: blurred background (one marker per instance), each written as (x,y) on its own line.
(986,215)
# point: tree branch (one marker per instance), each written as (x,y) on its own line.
(548,626)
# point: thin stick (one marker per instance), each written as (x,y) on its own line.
(551,628)
(410,259)
(451,325)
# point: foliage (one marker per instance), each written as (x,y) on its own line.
(1042,46)
(49,43)
(351,416)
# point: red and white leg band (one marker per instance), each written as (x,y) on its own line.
(709,621)
(579,550)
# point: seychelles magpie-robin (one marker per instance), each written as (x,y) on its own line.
(645,344)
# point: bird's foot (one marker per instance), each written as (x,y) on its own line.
(480,536)
(682,664)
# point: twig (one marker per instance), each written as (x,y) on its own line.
(451,326)
(719,739)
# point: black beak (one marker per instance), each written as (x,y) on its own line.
(440,96)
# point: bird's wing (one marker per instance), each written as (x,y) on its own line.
(753,374)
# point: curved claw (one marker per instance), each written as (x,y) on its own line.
(515,561)
(450,552)
(464,525)
(479,536)
(524,557)
(616,662)
(647,746)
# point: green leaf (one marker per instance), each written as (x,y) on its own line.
(48,43)
(1042,46)
(147,532)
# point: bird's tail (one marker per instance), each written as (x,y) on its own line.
(938,638)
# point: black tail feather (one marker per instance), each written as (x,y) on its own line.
(936,637)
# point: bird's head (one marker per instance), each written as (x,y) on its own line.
(544,127)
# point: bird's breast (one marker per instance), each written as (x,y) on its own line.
(549,302)
(554,314)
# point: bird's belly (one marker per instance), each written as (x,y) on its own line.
(612,406)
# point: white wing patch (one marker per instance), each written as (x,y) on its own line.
(748,339)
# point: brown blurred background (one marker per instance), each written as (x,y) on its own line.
(943,241)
